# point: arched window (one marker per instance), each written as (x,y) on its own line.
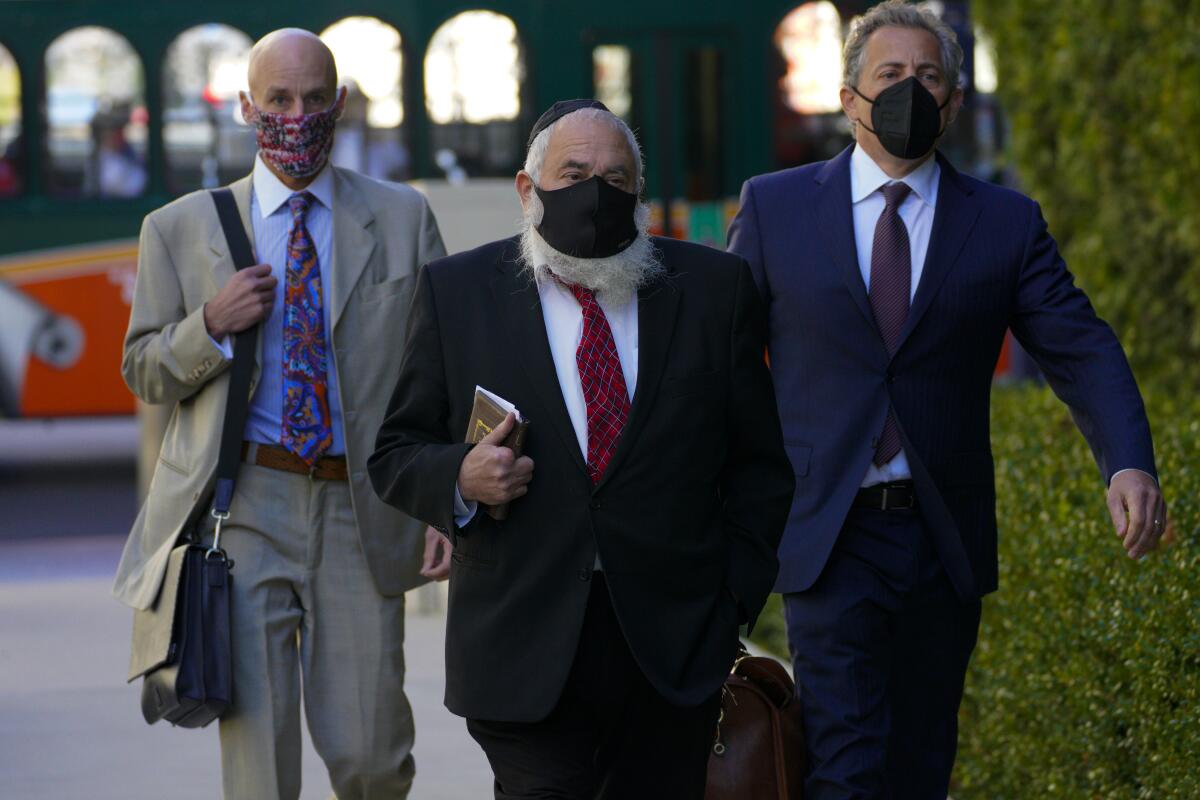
(206,142)
(370,64)
(612,79)
(474,69)
(985,63)
(810,38)
(12,146)
(95,115)
(807,108)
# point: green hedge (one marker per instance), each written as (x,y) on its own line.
(1086,680)
(1103,97)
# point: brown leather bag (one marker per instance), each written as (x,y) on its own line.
(758,753)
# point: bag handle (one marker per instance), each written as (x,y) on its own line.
(244,345)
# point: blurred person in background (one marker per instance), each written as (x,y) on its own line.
(12,167)
(320,563)
(890,281)
(118,169)
(381,155)
(589,633)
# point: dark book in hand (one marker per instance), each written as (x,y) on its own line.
(487,412)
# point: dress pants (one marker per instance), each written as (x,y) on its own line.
(610,736)
(306,617)
(880,646)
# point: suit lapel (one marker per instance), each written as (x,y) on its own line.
(954,218)
(222,265)
(520,307)
(658,305)
(353,243)
(836,217)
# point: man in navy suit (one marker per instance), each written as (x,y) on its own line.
(890,280)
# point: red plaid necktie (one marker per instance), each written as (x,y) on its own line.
(891,284)
(604,392)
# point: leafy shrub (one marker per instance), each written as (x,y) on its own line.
(1104,103)
(1086,681)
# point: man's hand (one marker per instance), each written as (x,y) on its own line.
(490,473)
(1138,511)
(243,302)
(436,564)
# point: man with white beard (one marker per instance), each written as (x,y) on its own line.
(590,631)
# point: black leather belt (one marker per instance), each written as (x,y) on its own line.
(898,495)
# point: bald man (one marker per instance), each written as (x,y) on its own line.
(320,563)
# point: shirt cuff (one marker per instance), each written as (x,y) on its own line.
(1132,469)
(225,346)
(464,512)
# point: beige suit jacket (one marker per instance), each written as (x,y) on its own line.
(382,234)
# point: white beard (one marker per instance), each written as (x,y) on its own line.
(615,278)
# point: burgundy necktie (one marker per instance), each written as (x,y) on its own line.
(605,395)
(891,284)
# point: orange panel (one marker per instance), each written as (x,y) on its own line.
(1004,363)
(88,289)
(93,384)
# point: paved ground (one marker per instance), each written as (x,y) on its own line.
(67,477)
(70,728)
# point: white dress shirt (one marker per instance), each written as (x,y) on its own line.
(917,211)
(271,220)
(564,328)
(866,183)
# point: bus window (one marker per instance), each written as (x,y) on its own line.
(370,65)
(95,116)
(809,125)
(704,166)
(206,142)
(612,79)
(12,160)
(474,69)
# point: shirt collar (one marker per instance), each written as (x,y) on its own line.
(866,178)
(272,193)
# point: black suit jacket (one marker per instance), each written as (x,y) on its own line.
(686,518)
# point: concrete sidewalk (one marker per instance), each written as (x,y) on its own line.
(71,728)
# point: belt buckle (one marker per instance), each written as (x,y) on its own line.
(883,506)
(912,500)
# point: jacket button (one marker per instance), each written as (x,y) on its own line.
(594,505)
(891,377)
(585,574)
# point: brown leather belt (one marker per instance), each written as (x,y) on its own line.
(329,468)
(894,496)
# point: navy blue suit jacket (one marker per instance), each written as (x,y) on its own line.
(991,265)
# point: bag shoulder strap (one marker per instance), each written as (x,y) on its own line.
(244,345)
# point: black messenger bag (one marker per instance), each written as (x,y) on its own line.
(182,644)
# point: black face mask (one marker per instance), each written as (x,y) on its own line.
(591,219)
(907,118)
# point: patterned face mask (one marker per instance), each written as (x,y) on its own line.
(296,146)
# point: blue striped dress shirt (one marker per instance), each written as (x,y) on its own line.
(272,223)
